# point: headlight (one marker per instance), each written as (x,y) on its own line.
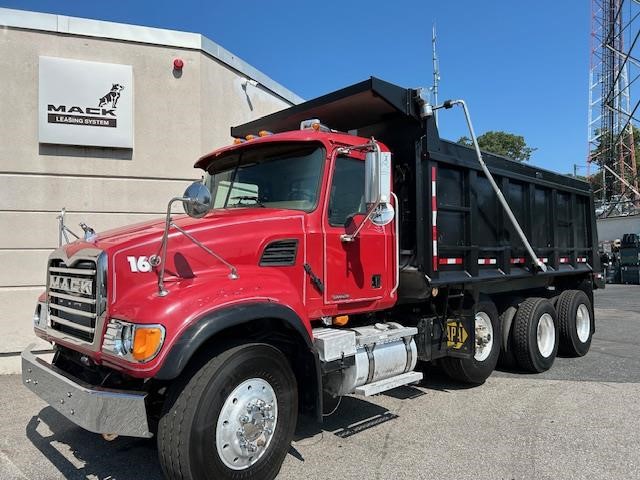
(134,342)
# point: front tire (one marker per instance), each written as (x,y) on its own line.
(234,418)
(535,335)
(575,320)
(487,349)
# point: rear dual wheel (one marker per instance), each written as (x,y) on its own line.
(575,320)
(535,335)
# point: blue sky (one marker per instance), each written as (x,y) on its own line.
(521,66)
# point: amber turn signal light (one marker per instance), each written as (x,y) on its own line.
(341,320)
(147,342)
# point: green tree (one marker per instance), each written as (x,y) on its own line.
(502,143)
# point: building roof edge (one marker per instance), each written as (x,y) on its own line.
(50,22)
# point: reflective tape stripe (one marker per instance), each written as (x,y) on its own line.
(450,261)
(487,261)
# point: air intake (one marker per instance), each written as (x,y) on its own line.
(279,253)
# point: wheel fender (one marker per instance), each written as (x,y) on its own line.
(216,321)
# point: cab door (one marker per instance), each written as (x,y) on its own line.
(361,270)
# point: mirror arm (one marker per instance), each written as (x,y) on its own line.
(233,275)
(163,248)
(63,229)
(160,261)
(347,238)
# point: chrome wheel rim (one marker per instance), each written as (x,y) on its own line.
(246,424)
(546,335)
(583,322)
(484,336)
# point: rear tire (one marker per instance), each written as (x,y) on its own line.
(477,369)
(575,321)
(246,394)
(535,335)
(507,359)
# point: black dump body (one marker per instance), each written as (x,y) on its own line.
(453,230)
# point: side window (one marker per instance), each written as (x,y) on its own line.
(347,191)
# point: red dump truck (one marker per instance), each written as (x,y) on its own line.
(333,249)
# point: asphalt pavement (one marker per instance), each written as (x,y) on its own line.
(579,420)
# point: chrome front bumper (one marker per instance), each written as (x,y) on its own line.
(99,410)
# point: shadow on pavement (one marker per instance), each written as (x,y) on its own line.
(355,414)
(78,454)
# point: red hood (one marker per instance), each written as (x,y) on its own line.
(237,235)
(197,281)
(144,232)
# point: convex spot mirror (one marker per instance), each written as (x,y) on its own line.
(383,214)
(197,200)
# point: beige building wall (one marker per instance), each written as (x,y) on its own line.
(177,118)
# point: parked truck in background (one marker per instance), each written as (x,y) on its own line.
(335,248)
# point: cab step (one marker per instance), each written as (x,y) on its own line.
(388,383)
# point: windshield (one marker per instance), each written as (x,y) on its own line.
(277,176)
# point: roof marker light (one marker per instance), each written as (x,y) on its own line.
(250,137)
(314,124)
(238,141)
(264,133)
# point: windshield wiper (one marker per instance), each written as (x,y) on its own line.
(248,197)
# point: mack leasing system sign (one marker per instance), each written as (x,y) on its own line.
(85,103)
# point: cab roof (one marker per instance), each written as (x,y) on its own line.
(307,135)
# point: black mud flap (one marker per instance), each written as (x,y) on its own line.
(459,339)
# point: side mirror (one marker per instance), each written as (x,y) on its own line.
(377,191)
(377,188)
(197,200)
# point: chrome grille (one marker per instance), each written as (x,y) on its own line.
(73,293)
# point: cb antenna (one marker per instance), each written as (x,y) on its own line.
(436,71)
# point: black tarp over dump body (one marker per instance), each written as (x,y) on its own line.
(474,239)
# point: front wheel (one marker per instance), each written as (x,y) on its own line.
(487,348)
(233,419)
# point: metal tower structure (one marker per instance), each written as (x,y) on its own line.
(615,67)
